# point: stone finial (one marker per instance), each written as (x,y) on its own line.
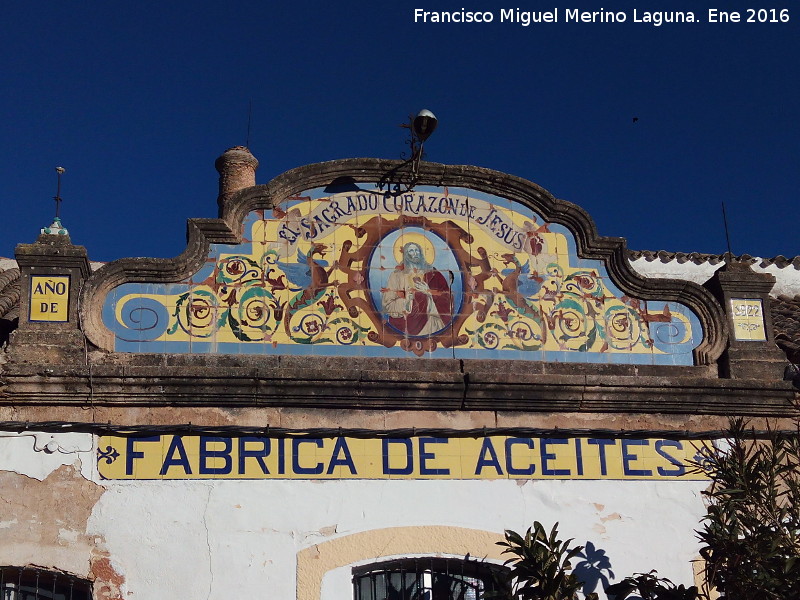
(237,170)
(55,228)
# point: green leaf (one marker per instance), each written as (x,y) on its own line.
(236,328)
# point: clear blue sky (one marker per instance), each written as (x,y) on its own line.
(137,99)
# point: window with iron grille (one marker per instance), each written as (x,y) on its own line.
(29,583)
(425,579)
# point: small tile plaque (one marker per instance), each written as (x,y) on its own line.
(49,298)
(748,320)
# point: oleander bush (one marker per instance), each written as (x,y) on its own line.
(750,535)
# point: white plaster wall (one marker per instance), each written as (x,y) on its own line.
(787,279)
(218,539)
(43,518)
(37,454)
(640,525)
(207,539)
(674,270)
(11,263)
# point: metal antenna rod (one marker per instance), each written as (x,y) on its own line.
(57,198)
(249,119)
(727,235)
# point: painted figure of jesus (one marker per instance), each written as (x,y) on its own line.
(417,298)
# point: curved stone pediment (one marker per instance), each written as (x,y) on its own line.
(469,263)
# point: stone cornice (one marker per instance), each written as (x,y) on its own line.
(397,384)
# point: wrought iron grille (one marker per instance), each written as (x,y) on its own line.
(425,579)
(29,583)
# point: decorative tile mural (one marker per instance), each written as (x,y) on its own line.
(443,272)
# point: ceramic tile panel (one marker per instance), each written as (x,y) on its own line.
(428,273)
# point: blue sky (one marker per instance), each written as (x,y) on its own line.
(137,99)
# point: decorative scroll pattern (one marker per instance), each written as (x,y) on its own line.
(435,272)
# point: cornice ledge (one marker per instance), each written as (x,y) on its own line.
(370,390)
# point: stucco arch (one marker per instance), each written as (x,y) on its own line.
(315,561)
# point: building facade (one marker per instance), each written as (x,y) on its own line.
(356,378)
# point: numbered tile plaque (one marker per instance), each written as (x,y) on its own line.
(748,320)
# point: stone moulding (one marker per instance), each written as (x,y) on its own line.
(234,209)
(299,383)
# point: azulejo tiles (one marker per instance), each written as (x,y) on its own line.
(444,272)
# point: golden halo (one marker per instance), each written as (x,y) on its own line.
(428,251)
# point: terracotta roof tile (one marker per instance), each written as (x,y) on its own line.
(786,322)
(9,303)
(714,259)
